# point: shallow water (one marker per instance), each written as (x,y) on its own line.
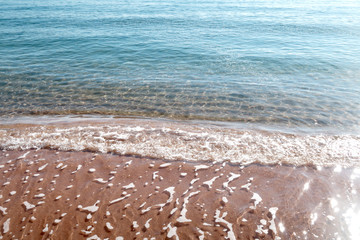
(290,64)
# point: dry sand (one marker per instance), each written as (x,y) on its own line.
(46,194)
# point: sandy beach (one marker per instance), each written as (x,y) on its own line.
(170,119)
(48,194)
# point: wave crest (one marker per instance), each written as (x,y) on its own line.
(190,142)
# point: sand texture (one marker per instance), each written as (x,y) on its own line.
(46,194)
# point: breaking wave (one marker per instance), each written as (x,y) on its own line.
(180,141)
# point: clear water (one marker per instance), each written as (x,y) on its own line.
(285,63)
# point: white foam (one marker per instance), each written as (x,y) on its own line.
(147,224)
(46,228)
(218,219)
(95,237)
(42,167)
(210,182)
(171,192)
(119,199)
(77,169)
(281,227)
(260,229)
(173,211)
(165,165)
(40,195)
(257,199)
(172,232)
(91,209)
(6,226)
(59,165)
(129,186)
(86,233)
(23,156)
(155,175)
(183,212)
(28,205)
(201,167)
(231,178)
(100,180)
(178,141)
(142,205)
(146,210)
(3,210)
(109,227)
(135,224)
(272,226)
(246,186)
(194,181)
(202,234)
(57,221)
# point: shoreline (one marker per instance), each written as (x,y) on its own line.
(183,141)
(76,119)
(109,196)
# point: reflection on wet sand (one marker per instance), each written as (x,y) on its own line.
(64,195)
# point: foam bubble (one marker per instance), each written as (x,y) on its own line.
(178,141)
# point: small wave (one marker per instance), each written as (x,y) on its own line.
(191,142)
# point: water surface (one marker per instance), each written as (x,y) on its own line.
(293,64)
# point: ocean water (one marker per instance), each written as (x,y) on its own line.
(287,63)
(286,72)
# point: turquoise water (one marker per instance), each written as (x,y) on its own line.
(285,63)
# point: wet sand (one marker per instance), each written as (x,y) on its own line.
(47,194)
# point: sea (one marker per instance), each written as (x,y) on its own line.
(260,81)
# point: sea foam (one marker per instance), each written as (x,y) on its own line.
(190,142)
